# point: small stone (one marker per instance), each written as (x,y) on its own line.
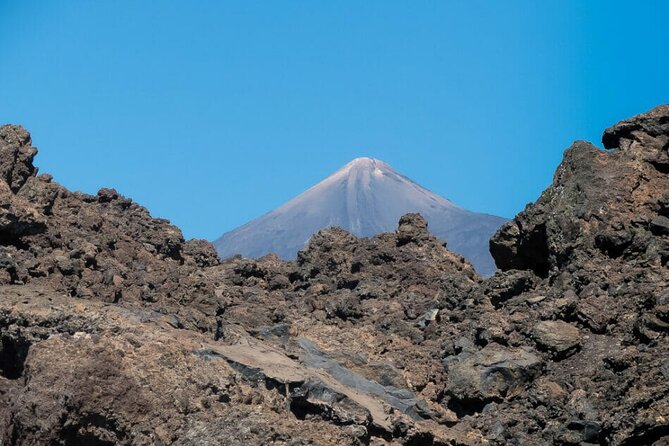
(559,337)
(68,266)
(535,299)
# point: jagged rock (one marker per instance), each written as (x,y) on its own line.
(614,243)
(201,252)
(645,128)
(70,241)
(412,229)
(17,217)
(595,312)
(508,284)
(16,156)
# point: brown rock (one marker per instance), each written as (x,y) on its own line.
(557,336)
(16,156)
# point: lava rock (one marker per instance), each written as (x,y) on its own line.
(559,337)
(16,156)
(412,229)
(660,225)
(493,373)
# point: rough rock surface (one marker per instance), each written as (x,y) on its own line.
(114,330)
(558,336)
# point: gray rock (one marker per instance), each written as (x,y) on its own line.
(660,225)
(492,373)
(401,399)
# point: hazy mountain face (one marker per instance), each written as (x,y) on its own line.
(365,197)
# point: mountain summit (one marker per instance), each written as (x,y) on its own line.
(365,197)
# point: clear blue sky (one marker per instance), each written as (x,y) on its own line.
(212,113)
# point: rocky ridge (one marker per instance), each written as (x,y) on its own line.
(115,330)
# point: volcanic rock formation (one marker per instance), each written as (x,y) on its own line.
(114,330)
(365,197)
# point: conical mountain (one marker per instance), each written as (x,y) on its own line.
(365,197)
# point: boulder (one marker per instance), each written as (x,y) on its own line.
(491,374)
(412,229)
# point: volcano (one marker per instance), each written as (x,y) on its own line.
(365,197)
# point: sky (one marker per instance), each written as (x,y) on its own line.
(212,113)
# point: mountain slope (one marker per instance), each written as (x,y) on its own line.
(365,197)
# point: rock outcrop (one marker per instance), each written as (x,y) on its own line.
(115,330)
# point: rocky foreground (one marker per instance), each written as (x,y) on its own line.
(114,330)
